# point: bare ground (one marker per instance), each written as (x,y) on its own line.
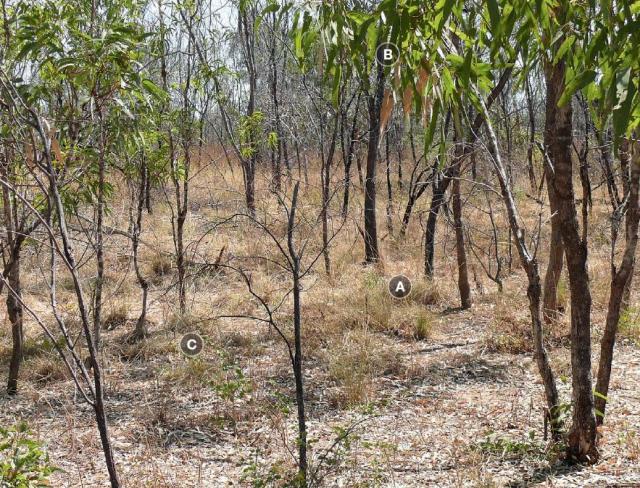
(419,431)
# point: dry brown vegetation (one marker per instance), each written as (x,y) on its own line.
(430,395)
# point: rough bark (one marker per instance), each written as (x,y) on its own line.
(15,314)
(550,306)
(297,331)
(558,138)
(619,279)
(372,253)
(141,330)
(463,273)
(532,136)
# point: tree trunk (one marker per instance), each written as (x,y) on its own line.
(97,303)
(550,307)
(389,188)
(463,273)
(558,137)
(70,262)
(619,280)
(326,182)
(141,331)
(277,167)
(529,263)
(437,199)
(247,37)
(440,187)
(626,183)
(532,136)
(349,159)
(297,356)
(15,314)
(372,253)
(399,149)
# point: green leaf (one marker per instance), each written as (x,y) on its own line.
(335,92)
(564,47)
(447,7)
(621,116)
(153,89)
(576,84)
(431,129)
(600,395)
(494,14)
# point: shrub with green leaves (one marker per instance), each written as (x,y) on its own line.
(23,461)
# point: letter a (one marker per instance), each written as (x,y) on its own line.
(400,287)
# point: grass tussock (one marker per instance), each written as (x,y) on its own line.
(510,329)
(160,266)
(369,304)
(189,322)
(192,372)
(629,325)
(354,363)
(45,369)
(116,317)
(145,349)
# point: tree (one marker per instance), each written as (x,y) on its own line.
(78,74)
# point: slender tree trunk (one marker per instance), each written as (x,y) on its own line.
(70,262)
(179,244)
(437,200)
(97,303)
(147,194)
(532,136)
(299,378)
(529,263)
(558,138)
(604,140)
(463,273)
(399,148)
(389,189)
(15,314)
(277,167)
(349,159)
(11,272)
(247,37)
(372,253)
(297,356)
(440,186)
(296,144)
(326,182)
(625,160)
(141,331)
(619,279)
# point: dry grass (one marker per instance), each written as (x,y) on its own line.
(45,369)
(355,362)
(116,317)
(361,346)
(629,325)
(510,329)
